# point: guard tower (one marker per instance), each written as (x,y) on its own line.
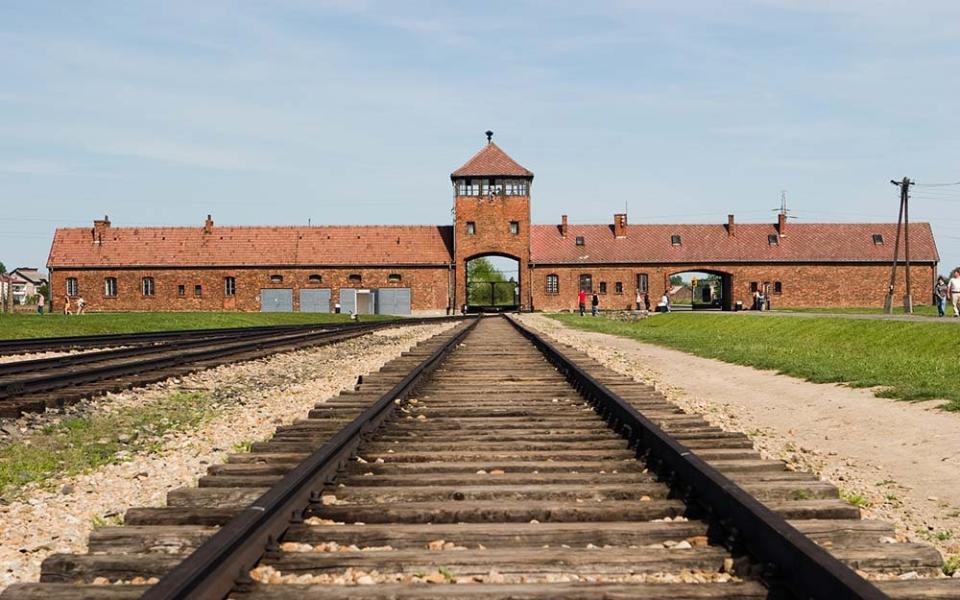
(491,207)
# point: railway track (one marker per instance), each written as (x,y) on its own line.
(115,340)
(489,457)
(35,385)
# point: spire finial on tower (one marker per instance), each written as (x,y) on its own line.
(489,136)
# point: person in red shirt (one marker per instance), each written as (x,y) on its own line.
(582,301)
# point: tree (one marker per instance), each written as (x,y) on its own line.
(676,280)
(3,269)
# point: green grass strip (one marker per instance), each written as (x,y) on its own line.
(908,360)
(20,326)
(81,443)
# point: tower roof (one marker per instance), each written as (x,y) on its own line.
(491,161)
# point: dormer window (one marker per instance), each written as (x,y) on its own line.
(580,240)
(878,239)
(675,240)
(773,239)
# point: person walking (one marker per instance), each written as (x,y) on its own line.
(582,301)
(953,292)
(639,300)
(40,302)
(81,305)
(940,295)
(66,304)
(594,303)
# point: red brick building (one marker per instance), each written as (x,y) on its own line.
(422,269)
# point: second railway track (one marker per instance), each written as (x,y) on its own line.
(479,459)
(35,385)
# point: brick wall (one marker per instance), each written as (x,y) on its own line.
(805,285)
(428,287)
(492,217)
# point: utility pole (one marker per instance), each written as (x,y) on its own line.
(903,220)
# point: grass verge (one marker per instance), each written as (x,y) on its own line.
(82,443)
(20,326)
(906,360)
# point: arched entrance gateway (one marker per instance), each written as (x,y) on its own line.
(492,283)
(699,289)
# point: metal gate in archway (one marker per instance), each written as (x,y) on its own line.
(492,296)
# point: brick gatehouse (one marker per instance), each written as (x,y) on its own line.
(421,269)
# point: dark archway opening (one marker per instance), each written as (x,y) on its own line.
(700,290)
(493,284)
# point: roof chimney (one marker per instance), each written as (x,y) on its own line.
(782,224)
(563,226)
(208,225)
(100,227)
(731,231)
(620,225)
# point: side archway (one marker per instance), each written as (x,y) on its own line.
(695,288)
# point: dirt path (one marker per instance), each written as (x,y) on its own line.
(902,458)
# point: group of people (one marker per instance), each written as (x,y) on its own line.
(643,302)
(948,291)
(68,305)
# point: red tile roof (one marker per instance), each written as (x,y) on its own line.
(806,242)
(253,246)
(491,161)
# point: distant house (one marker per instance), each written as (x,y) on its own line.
(27,283)
(18,284)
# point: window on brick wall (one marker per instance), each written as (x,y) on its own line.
(394,278)
(110,287)
(471,228)
(229,286)
(618,287)
(777,287)
(586,282)
(73,288)
(754,286)
(603,287)
(514,227)
(147,286)
(181,290)
(354,278)
(198,290)
(276,279)
(553,284)
(315,278)
(643,283)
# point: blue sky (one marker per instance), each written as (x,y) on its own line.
(356,112)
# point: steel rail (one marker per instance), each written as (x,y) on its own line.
(59,362)
(793,559)
(53,344)
(213,569)
(165,357)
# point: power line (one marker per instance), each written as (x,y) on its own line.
(936,184)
